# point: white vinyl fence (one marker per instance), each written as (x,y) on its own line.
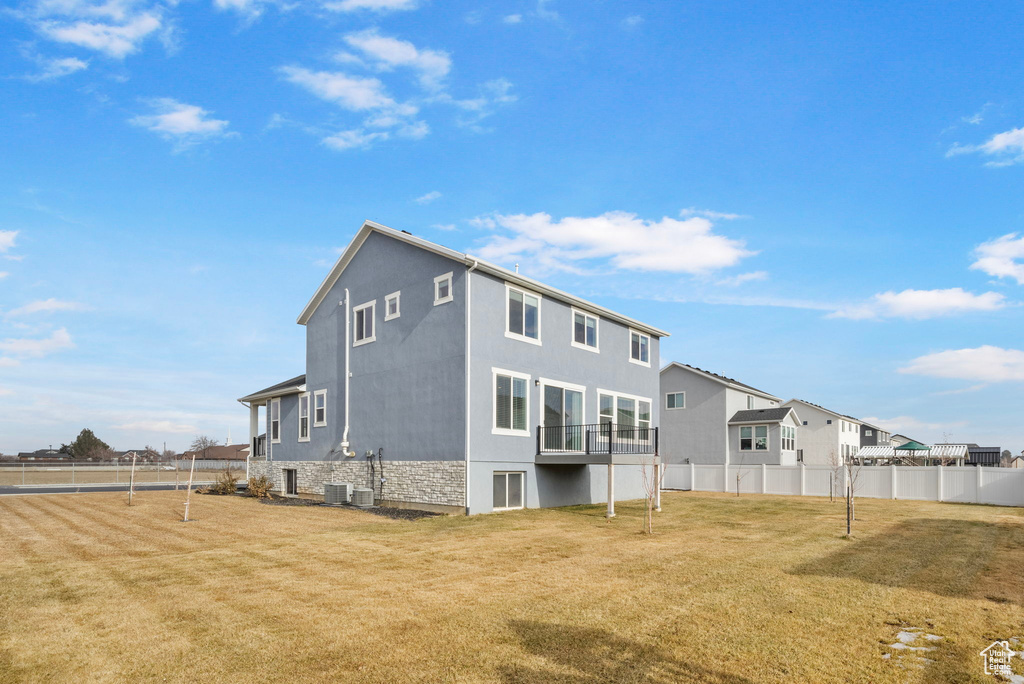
(998,486)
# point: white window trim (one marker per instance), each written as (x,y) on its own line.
(750,402)
(366,340)
(309,418)
(547,382)
(753,437)
(675,408)
(506,473)
(397,296)
(316,394)
(508,432)
(451,289)
(572,330)
(540,301)
(629,349)
(270,416)
(616,396)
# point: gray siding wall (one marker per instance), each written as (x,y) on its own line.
(697,432)
(773,456)
(557,360)
(408,386)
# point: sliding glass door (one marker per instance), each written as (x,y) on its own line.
(563,419)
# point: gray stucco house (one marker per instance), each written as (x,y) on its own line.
(709,418)
(826,436)
(445,381)
(872,435)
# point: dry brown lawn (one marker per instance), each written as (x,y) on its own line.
(727,590)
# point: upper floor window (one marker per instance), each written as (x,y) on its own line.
(828,422)
(639,348)
(320,408)
(750,401)
(275,421)
(523,315)
(675,400)
(365,331)
(393,306)
(511,403)
(443,289)
(304,417)
(584,330)
(754,438)
(868,433)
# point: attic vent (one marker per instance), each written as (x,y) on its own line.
(337,492)
(362,497)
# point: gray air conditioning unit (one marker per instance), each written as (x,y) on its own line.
(337,492)
(362,497)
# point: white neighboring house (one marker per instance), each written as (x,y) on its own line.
(824,433)
(709,418)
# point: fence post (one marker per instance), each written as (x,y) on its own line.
(725,477)
(72,472)
(977,486)
(939,478)
(764,478)
(693,477)
(803,480)
(892,481)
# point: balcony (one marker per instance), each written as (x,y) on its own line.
(596,443)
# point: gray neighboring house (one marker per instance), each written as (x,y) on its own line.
(448,382)
(709,418)
(872,435)
(825,434)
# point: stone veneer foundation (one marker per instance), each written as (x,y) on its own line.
(432,483)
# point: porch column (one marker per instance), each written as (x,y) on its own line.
(254,431)
(611,491)
(657,486)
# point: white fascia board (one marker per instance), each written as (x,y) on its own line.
(283,392)
(739,388)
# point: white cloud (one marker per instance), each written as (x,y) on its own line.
(982,364)
(978,116)
(184,123)
(428,198)
(737,280)
(921,304)
(543,12)
(628,242)
(351,92)
(7,362)
(158,426)
(513,18)
(1007,147)
(632,21)
(999,257)
(709,214)
(492,93)
(57,68)
(372,5)
(4,274)
(907,424)
(7,239)
(347,140)
(45,306)
(432,66)
(444,226)
(36,348)
(117,40)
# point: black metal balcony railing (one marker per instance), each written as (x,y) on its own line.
(259,447)
(596,438)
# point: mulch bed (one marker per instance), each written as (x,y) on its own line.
(384,511)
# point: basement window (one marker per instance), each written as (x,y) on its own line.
(508,491)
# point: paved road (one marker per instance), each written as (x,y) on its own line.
(84,488)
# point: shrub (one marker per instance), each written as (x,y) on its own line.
(227,483)
(260,487)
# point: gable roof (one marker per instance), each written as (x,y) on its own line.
(829,411)
(768,415)
(293,386)
(369,227)
(721,379)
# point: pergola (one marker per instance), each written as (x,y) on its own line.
(915,453)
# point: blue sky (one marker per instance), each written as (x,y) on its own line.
(821,201)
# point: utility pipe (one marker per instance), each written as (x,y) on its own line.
(469,322)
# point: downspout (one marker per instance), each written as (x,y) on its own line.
(469,322)
(348,373)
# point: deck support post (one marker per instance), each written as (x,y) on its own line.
(611,491)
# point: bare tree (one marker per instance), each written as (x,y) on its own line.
(836,464)
(652,476)
(202,443)
(853,468)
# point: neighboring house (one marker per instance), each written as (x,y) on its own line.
(899,440)
(709,418)
(229,452)
(824,434)
(141,455)
(984,456)
(445,381)
(872,435)
(1017,461)
(43,455)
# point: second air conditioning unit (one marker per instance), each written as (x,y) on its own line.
(362,497)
